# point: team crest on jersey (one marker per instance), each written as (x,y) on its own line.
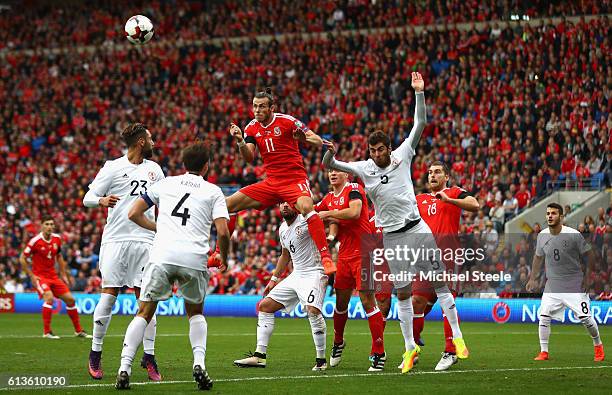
(152,176)
(277,131)
(299,230)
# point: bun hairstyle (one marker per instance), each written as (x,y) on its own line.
(266,93)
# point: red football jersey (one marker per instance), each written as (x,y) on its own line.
(350,231)
(443,218)
(43,254)
(279,150)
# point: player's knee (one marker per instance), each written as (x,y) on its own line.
(367,300)
(544,320)
(419,304)
(404,293)
(69,300)
(267,306)
(48,297)
(304,205)
(312,311)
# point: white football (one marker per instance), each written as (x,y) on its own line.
(139,29)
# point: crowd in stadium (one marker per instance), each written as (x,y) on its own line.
(511,110)
(100,22)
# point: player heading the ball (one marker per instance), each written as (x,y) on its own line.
(277,137)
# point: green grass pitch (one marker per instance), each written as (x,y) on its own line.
(500,360)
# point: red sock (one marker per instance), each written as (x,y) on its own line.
(74,317)
(377,329)
(448,337)
(316,228)
(47,313)
(340,318)
(418,322)
(231,225)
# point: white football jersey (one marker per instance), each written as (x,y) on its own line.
(390,189)
(562,259)
(187,205)
(304,253)
(128,181)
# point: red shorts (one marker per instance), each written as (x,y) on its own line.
(55,285)
(272,191)
(423,288)
(351,276)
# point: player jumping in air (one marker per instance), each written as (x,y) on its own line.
(125,246)
(347,205)
(44,249)
(305,285)
(188,206)
(387,180)
(560,248)
(277,138)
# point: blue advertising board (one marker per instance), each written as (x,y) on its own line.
(475,310)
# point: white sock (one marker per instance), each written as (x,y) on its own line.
(265,327)
(544,332)
(198,330)
(101,320)
(319,333)
(591,326)
(447,302)
(131,342)
(405,315)
(148,342)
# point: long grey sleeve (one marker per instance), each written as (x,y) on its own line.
(330,162)
(420,119)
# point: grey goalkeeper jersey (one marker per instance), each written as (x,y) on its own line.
(562,259)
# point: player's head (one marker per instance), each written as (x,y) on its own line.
(287,212)
(263,105)
(337,177)
(137,136)
(379,147)
(438,175)
(554,214)
(48,224)
(195,158)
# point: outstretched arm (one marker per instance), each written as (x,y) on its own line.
(420,113)
(330,161)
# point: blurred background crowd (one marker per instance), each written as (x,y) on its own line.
(515,110)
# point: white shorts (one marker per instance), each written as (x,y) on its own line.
(404,266)
(305,288)
(159,278)
(554,304)
(122,263)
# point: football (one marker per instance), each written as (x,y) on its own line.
(139,29)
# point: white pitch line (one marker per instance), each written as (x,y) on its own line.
(325,376)
(479,333)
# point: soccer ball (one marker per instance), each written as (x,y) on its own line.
(139,29)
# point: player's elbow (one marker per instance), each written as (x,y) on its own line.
(134,214)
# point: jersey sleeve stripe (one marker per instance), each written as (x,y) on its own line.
(147,199)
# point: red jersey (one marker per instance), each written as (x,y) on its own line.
(43,254)
(443,218)
(279,150)
(350,231)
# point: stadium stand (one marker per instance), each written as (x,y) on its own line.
(511,108)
